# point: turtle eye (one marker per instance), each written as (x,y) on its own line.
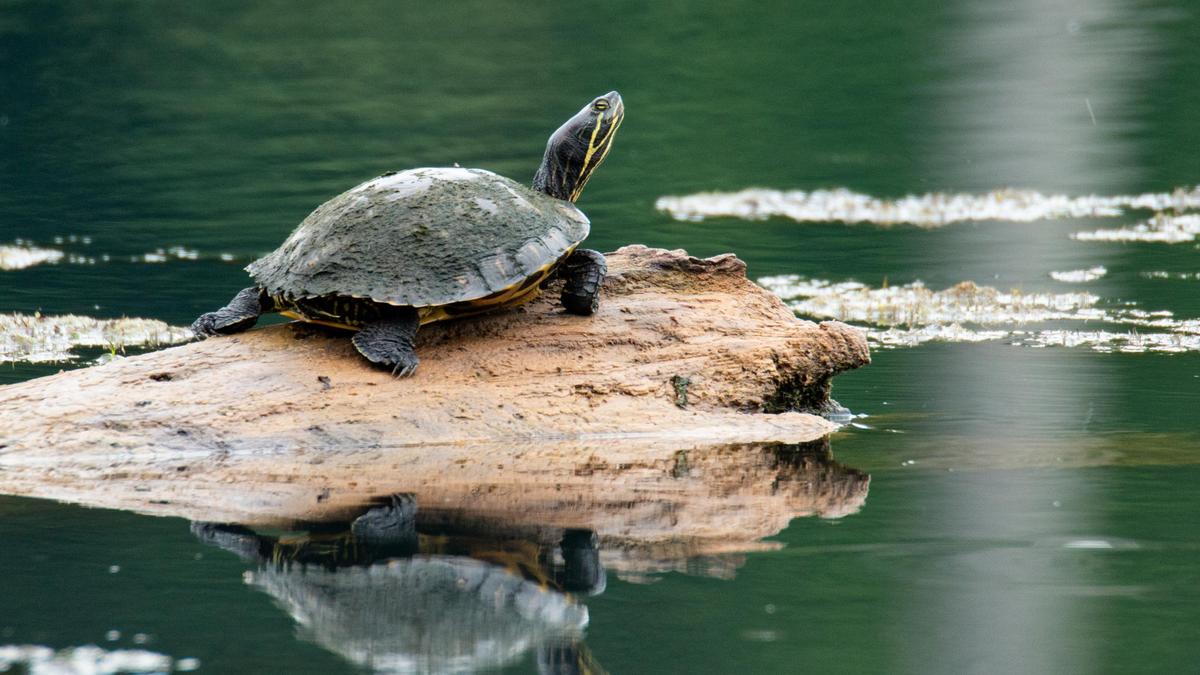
(600,105)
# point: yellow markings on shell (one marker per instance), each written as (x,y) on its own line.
(291,314)
(427,315)
(513,296)
(516,296)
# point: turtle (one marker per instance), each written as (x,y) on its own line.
(413,247)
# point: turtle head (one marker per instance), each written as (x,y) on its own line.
(578,147)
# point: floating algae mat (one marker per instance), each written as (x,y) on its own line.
(1166,228)
(928,210)
(20,257)
(34,338)
(910,315)
(1079,276)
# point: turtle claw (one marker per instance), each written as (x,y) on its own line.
(405,368)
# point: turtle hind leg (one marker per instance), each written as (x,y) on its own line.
(584,272)
(389,342)
(241,313)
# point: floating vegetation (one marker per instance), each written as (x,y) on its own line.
(1167,228)
(1100,341)
(928,210)
(911,315)
(48,339)
(89,660)
(914,304)
(22,256)
(1079,276)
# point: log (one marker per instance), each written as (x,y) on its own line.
(521,412)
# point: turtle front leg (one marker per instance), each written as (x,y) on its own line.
(389,530)
(389,342)
(584,272)
(241,313)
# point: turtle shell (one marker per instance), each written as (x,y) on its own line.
(423,237)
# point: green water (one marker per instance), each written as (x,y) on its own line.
(1030,510)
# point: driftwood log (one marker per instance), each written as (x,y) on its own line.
(520,412)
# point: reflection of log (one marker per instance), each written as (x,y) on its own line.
(285,423)
(653,509)
(659,510)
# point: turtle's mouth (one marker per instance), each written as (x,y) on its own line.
(615,101)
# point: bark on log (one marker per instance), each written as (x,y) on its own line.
(287,423)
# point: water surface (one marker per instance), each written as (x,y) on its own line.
(1029,510)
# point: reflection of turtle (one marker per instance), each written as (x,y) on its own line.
(385,597)
(422,614)
(422,245)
